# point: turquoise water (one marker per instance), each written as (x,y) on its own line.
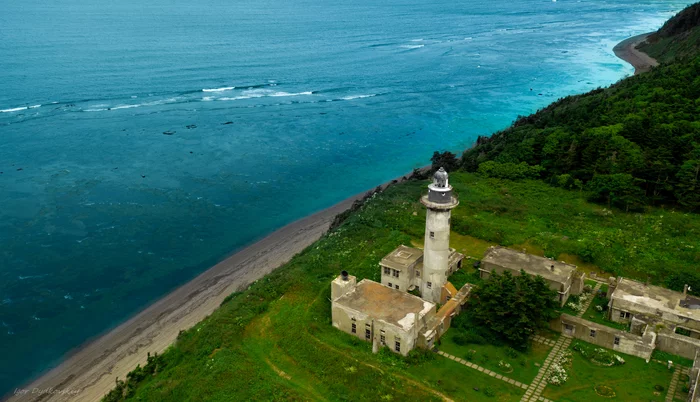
(144,141)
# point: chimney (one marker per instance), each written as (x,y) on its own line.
(552,267)
(344,274)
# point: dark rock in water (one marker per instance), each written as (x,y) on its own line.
(228,122)
(143,176)
(191,126)
(169,132)
(191,152)
(19,169)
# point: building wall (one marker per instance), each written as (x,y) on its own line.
(635,345)
(677,344)
(436,253)
(342,317)
(403,281)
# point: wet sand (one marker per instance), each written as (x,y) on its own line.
(626,50)
(89,373)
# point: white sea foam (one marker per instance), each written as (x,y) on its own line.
(126,107)
(411,46)
(416,40)
(222,89)
(14,109)
(351,97)
(34,106)
(262,93)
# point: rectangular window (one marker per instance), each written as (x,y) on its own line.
(617,340)
(387,271)
(382,337)
(397,287)
(390,285)
(417,273)
(592,333)
(354,328)
(622,314)
(397,346)
(368,331)
(432,235)
(430,285)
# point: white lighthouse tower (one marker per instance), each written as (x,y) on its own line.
(436,251)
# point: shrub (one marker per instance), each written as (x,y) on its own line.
(659,388)
(512,353)
(488,391)
(470,354)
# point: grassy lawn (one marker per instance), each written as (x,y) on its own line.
(524,365)
(632,381)
(459,382)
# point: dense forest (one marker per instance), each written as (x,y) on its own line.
(633,144)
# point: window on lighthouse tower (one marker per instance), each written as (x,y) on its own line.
(432,235)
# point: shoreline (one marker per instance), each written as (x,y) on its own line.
(627,51)
(88,372)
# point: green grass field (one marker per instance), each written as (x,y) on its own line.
(524,366)
(274,341)
(632,381)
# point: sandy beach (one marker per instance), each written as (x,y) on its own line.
(626,50)
(90,371)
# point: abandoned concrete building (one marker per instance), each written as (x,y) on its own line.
(562,277)
(632,301)
(385,313)
(658,318)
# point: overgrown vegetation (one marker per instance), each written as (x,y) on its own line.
(281,327)
(679,38)
(634,144)
(512,307)
(590,380)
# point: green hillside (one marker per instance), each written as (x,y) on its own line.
(678,38)
(633,144)
(275,340)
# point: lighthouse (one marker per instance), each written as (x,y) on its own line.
(436,252)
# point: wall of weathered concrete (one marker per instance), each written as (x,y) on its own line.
(635,345)
(404,280)
(694,393)
(676,344)
(577,283)
(436,253)
(342,317)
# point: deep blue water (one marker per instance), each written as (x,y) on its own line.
(276,109)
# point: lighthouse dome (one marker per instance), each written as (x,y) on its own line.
(440,178)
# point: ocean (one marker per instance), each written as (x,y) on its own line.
(142,142)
